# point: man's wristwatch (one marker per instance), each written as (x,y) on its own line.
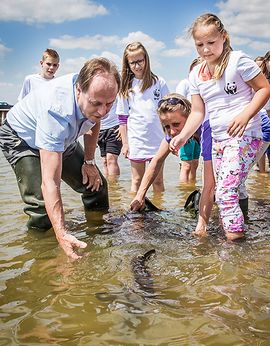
(90,162)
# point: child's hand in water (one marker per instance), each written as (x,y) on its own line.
(137,204)
(176,143)
(238,125)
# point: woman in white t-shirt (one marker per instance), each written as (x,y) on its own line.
(224,83)
(140,127)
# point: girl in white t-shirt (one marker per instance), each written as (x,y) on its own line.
(140,127)
(224,83)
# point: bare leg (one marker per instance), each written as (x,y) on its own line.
(193,169)
(112,164)
(104,165)
(137,172)
(261,164)
(184,171)
(206,200)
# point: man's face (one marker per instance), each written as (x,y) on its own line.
(97,101)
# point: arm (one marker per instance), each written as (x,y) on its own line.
(124,137)
(150,175)
(193,122)
(262,94)
(51,169)
(90,173)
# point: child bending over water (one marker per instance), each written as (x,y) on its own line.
(173,111)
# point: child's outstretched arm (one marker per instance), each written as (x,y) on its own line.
(262,94)
(150,175)
(194,120)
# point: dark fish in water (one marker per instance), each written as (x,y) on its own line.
(192,202)
(141,274)
(149,206)
(142,278)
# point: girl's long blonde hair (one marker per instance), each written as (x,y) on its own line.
(211,19)
(149,78)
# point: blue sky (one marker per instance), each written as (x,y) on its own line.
(81,29)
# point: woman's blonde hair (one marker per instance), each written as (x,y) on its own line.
(149,78)
(211,19)
(173,102)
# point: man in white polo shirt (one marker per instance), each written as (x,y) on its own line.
(39,141)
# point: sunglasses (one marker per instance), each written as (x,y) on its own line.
(172,101)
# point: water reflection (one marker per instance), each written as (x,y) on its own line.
(205,291)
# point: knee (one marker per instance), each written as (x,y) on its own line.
(112,161)
(185,166)
(104,161)
(136,181)
(158,185)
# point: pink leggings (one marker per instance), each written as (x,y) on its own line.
(233,159)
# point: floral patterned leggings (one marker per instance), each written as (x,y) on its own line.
(233,159)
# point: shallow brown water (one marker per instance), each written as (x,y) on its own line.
(205,292)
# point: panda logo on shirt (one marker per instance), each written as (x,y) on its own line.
(156,93)
(231,88)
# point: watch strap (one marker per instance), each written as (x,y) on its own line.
(90,162)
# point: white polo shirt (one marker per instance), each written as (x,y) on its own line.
(49,117)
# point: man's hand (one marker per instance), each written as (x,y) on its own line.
(91,177)
(69,243)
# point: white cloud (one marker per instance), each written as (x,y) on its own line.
(247,18)
(247,43)
(84,42)
(49,11)
(6,85)
(186,47)
(152,46)
(4,50)
(260,46)
(71,65)
(101,43)
(177,52)
(111,56)
(240,41)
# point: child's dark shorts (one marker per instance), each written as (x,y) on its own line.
(108,142)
